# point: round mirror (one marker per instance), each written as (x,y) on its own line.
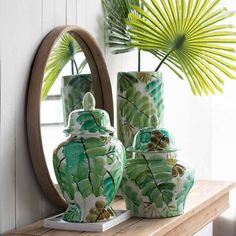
(68,64)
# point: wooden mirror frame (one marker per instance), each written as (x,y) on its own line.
(102,90)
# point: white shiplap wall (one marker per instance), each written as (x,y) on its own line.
(23,24)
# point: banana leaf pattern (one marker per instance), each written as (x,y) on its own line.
(89,172)
(156,185)
(139,103)
(74,88)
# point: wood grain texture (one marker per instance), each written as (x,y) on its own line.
(206,201)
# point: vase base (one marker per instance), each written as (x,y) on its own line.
(57,222)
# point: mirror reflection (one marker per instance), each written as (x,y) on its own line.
(66,79)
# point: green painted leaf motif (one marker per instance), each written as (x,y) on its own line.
(144,77)
(73,91)
(92,122)
(155,90)
(88,123)
(64,183)
(136,108)
(126,81)
(108,190)
(84,187)
(95,156)
(70,102)
(97,151)
(181,197)
(73,213)
(133,201)
(95,142)
(113,177)
(112,182)
(85,165)
(156,185)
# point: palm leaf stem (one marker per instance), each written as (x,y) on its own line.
(76,66)
(163,59)
(177,44)
(139,60)
(72,67)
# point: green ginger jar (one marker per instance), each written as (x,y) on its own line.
(89,164)
(155,184)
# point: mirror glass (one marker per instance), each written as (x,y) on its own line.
(67,78)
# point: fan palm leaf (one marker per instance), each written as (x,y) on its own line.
(63,52)
(117,34)
(189,37)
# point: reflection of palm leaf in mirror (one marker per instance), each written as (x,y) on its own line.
(117,35)
(63,52)
(189,38)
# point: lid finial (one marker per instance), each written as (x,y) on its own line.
(89,102)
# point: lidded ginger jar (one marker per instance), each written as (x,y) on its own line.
(155,184)
(89,164)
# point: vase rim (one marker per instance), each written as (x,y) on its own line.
(153,72)
(69,76)
(132,149)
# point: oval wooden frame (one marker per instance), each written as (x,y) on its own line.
(102,90)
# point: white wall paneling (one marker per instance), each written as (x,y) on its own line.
(23,46)
(47,16)
(59,12)
(81,17)
(71,12)
(94,18)
(23,25)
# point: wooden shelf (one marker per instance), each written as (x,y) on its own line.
(207,200)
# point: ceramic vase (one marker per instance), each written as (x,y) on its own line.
(155,184)
(73,89)
(139,103)
(89,165)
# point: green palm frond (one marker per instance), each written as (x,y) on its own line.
(63,52)
(117,34)
(189,37)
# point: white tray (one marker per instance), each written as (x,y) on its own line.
(57,222)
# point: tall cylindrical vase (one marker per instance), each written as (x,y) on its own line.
(139,103)
(74,87)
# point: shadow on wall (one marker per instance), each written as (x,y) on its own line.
(224,226)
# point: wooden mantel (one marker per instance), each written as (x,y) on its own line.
(207,200)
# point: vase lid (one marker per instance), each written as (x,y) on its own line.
(151,139)
(89,120)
